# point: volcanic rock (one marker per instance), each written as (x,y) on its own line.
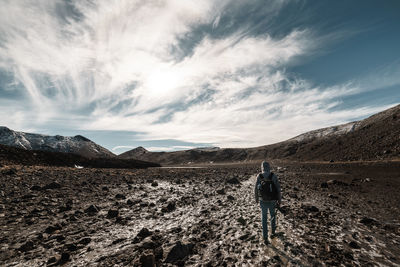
(310,208)
(53,185)
(71,247)
(120,196)
(51,229)
(354,245)
(35,188)
(170,207)
(179,252)
(65,256)
(233,180)
(242,221)
(92,209)
(143,233)
(112,214)
(368,221)
(147,259)
(84,241)
(26,247)
(221,191)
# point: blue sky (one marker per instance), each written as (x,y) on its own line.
(177,74)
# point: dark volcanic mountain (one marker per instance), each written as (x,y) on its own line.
(77,144)
(377,137)
(19,156)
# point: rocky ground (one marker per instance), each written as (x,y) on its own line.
(336,214)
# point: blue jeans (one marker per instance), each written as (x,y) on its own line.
(265,207)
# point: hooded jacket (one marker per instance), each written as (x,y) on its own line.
(266,170)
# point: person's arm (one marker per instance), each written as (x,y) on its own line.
(256,189)
(278,188)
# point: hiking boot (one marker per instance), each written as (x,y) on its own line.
(272,236)
(266,242)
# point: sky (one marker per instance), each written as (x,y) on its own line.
(178,74)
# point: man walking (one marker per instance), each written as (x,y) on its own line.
(269,190)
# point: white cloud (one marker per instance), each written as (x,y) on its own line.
(117,61)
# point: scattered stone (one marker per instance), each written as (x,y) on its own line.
(59,238)
(53,185)
(10,171)
(354,245)
(324,185)
(120,196)
(336,182)
(310,208)
(105,188)
(51,260)
(147,259)
(26,247)
(119,240)
(71,247)
(143,233)
(51,229)
(158,253)
(92,209)
(84,241)
(242,221)
(36,188)
(130,202)
(112,213)
(368,221)
(221,191)
(233,180)
(229,197)
(154,184)
(170,207)
(65,256)
(179,252)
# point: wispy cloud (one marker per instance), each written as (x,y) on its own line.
(147,66)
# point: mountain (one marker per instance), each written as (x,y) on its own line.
(374,138)
(20,156)
(134,153)
(77,144)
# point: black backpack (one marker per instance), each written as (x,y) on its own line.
(267,189)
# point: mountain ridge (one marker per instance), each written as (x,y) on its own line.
(375,137)
(77,144)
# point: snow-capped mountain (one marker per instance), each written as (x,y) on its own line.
(69,144)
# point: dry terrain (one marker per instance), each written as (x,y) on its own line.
(335,213)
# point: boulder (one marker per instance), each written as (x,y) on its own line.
(53,185)
(310,208)
(147,259)
(233,180)
(52,228)
(354,245)
(221,191)
(92,209)
(120,196)
(369,221)
(179,252)
(65,256)
(36,188)
(170,207)
(26,247)
(112,214)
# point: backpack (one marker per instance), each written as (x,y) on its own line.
(267,188)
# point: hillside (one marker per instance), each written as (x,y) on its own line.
(374,138)
(14,155)
(68,144)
